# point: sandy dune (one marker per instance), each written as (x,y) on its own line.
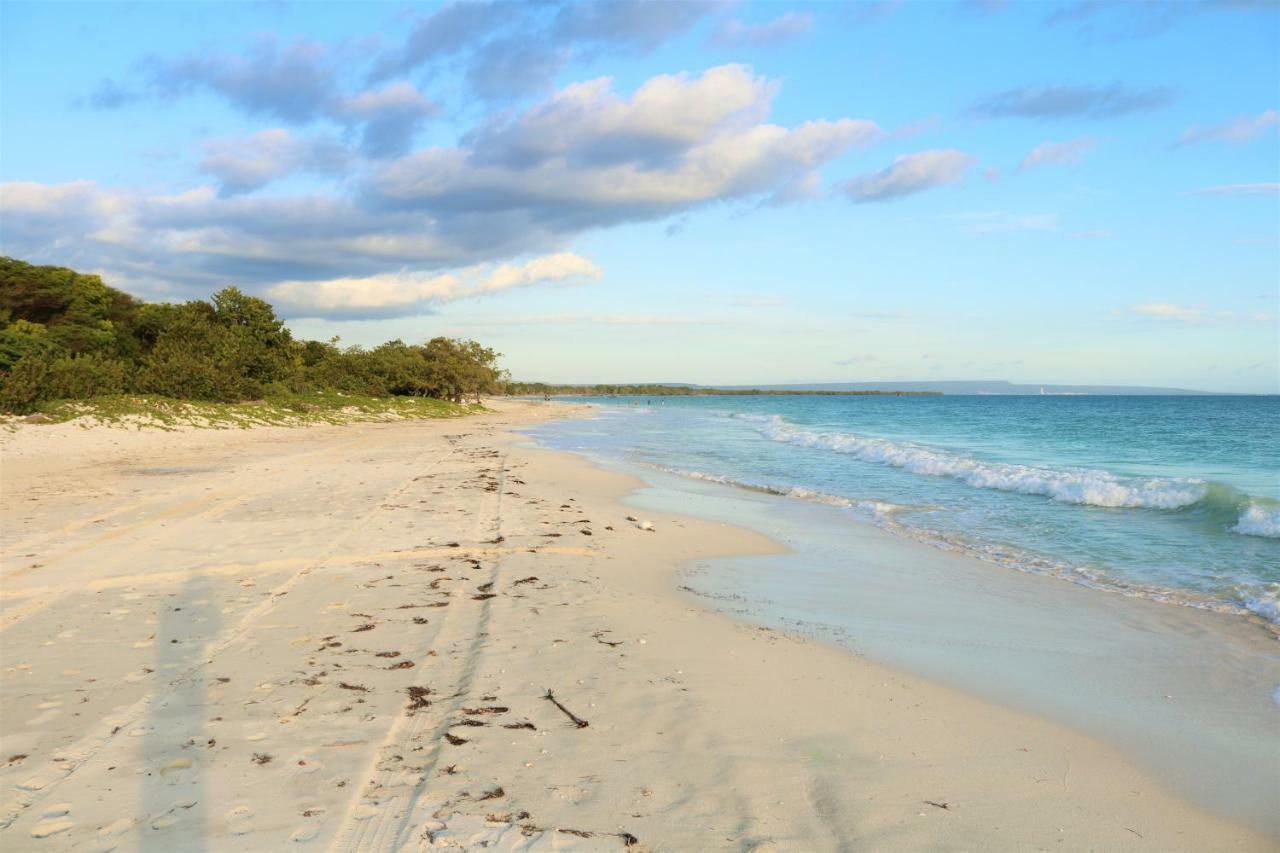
(344,637)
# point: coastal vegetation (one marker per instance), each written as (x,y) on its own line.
(67,336)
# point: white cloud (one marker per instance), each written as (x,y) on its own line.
(399,293)
(1239,129)
(1242,189)
(909,174)
(1193,314)
(1169,311)
(244,164)
(784,28)
(589,155)
(594,320)
(1058,153)
(526,183)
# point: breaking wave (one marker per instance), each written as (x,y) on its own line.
(1260,518)
(1085,486)
(1261,600)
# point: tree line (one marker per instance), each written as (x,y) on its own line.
(544,389)
(66,335)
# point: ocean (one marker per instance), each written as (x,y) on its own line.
(1110,563)
(1171,498)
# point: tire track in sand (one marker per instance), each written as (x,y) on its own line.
(384,815)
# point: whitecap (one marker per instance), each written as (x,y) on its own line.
(1259,519)
(1087,486)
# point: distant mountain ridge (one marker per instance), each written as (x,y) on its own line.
(983,386)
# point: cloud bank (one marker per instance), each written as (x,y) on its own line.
(401,293)
(522,182)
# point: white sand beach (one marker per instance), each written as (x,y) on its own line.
(427,635)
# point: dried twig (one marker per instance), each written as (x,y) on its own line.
(577,721)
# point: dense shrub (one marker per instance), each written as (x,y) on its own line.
(75,377)
(64,335)
(25,384)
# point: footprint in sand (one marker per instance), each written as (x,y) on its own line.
(175,765)
(364,811)
(41,719)
(109,835)
(38,783)
(238,820)
(116,828)
(46,828)
(305,833)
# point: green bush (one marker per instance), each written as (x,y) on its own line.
(24,384)
(79,376)
(69,336)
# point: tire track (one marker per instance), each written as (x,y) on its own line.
(385,813)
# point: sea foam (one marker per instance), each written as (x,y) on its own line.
(1088,486)
(1260,519)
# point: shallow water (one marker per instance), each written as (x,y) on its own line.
(1185,690)
(1172,498)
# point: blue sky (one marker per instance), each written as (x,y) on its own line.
(712,192)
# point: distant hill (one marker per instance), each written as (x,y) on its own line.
(985,386)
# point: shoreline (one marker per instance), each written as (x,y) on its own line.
(1186,693)
(703,731)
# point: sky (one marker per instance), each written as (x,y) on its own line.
(678,190)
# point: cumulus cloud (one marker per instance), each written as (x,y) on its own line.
(296,83)
(291,83)
(242,165)
(782,29)
(909,174)
(1092,102)
(391,116)
(1240,129)
(402,293)
(637,23)
(510,49)
(1058,153)
(443,33)
(589,156)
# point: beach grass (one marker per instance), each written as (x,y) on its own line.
(154,412)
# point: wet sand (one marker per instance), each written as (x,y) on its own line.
(421,635)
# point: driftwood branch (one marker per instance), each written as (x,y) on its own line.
(577,721)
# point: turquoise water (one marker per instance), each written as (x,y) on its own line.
(1170,498)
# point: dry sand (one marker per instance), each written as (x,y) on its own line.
(343,638)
